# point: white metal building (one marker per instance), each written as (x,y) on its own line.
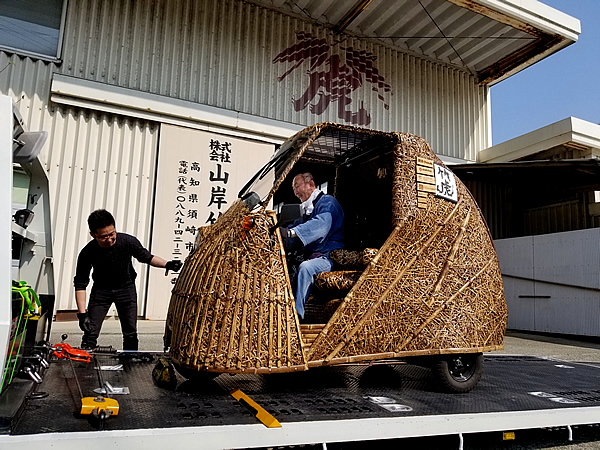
(121,84)
(540,194)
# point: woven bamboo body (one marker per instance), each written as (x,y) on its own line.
(434,285)
(232,309)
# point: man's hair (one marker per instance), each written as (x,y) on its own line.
(306,176)
(100,218)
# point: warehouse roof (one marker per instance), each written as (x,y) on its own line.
(492,39)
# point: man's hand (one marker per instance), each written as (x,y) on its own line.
(174,265)
(285,233)
(84,322)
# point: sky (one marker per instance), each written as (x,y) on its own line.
(564,84)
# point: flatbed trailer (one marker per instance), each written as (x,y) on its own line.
(372,400)
(349,403)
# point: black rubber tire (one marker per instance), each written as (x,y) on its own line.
(195,375)
(459,373)
(101,420)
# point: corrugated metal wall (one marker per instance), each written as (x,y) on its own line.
(497,208)
(27,81)
(218,53)
(510,214)
(93,161)
(101,162)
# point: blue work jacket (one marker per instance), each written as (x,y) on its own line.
(323,229)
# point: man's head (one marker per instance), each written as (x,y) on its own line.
(303,186)
(102,228)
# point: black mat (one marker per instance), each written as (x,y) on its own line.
(343,392)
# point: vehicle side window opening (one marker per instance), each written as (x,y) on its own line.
(363,188)
(323,174)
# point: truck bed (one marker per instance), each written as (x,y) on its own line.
(335,404)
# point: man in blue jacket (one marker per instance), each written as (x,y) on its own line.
(320,230)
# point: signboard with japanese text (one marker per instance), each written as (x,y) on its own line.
(445,183)
(199,176)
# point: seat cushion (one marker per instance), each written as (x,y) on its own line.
(341,280)
(352,259)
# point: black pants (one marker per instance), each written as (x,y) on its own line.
(125,301)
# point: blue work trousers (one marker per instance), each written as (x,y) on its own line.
(303,281)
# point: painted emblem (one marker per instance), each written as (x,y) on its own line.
(334,73)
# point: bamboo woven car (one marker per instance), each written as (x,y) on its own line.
(418,277)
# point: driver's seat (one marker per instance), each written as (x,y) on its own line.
(332,287)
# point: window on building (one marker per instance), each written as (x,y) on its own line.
(31,27)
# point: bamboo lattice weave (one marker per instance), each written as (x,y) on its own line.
(435,284)
(352,259)
(231,308)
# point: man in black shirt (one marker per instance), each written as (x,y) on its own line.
(109,255)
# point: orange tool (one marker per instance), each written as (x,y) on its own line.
(64,350)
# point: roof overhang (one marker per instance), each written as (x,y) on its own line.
(492,39)
(569,174)
(570,132)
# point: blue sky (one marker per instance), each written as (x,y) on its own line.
(562,85)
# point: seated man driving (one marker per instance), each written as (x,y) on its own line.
(320,230)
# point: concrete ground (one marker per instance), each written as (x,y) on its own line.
(564,348)
(150,334)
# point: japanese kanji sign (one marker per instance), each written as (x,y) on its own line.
(445,183)
(199,175)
